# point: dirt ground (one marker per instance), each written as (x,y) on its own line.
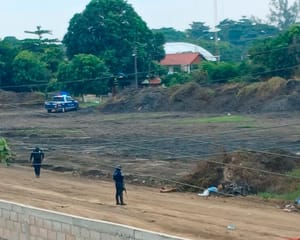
(154,149)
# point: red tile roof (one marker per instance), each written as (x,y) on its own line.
(180,59)
(152,81)
(155,81)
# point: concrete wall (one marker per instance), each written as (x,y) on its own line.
(21,222)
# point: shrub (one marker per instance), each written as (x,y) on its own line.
(5,152)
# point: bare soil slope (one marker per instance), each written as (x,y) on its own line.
(274,95)
(155,149)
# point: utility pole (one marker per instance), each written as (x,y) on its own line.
(135,67)
(217,50)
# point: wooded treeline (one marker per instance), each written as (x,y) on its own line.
(108,43)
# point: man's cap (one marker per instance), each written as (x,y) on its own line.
(119,167)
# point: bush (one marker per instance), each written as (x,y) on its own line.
(176,78)
(5,152)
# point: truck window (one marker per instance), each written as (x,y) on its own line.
(58,98)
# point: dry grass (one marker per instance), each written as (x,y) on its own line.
(263,90)
(191,90)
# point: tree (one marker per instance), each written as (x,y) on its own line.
(219,72)
(283,15)
(171,35)
(40,43)
(198,31)
(279,56)
(177,78)
(53,55)
(8,50)
(29,72)
(85,73)
(236,37)
(40,32)
(244,31)
(112,30)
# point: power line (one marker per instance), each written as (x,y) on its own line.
(191,136)
(45,83)
(209,155)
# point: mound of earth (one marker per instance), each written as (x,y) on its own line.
(10,99)
(261,171)
(274,95)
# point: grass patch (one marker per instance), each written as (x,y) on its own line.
(291,196)
(295,173)
(221,119)
(35,131)
(132,116)
(90,104)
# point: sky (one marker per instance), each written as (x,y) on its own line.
(20,15)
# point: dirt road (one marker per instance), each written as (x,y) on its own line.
(181,214)
(89,144)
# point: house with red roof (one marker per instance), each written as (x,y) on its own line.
(181,61)
(181,56)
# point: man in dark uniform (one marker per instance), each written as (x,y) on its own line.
(36,159)
(120,187)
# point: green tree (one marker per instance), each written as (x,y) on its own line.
(29,72)
(278,56)
(244,31)
(176,78)
(112,30)
(171,35)
(40,32)
(85,73)
(219,72)
(40,43)
(53,55)
(50,52)
(8,50)
(283,15)
(198,31)
(236,37)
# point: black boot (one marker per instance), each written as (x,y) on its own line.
(122,202)
(117,201)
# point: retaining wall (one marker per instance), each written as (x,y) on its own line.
(21,222)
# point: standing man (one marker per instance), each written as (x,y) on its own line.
(120,187)
(36,159)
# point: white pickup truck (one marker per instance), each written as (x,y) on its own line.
(61,103)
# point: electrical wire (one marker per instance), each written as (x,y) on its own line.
(210,155)
(43,83)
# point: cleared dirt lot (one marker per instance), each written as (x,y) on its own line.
(83,147)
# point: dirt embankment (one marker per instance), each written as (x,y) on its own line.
(275,95)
